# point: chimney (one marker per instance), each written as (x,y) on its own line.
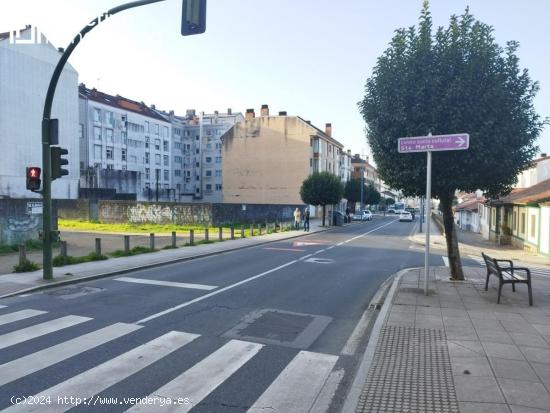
(328,129)
(250,114)
(229,112)
(61,50)
(153,107)
(282,113)
(94,92)
(543,155)
(265,110)
(308,122)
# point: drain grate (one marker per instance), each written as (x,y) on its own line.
(411,372)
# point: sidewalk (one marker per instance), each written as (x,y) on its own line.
(17,283)
(456,350)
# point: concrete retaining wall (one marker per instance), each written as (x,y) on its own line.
(16,224)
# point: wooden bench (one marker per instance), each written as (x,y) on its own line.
(507,275)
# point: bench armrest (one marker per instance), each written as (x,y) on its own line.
(514,269)
(508,261)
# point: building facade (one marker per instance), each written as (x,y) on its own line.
(25,72)
(360,166)
(266,158)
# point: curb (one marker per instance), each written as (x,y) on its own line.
(356,388)
(148,266)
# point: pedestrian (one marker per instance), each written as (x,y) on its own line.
(306,220)
(348,213)
(297,218)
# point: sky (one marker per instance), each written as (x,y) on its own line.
(310,58)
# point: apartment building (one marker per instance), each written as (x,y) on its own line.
(266,158)
(124,145)
(345,166)
(362,166)
(27,61)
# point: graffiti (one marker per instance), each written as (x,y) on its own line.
(23,224)
(154,214)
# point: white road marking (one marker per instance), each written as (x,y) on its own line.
(34,362)
(352,344)
(94,381)
(304,257)
(324,399)
(19,315)
(340,244)
(221,290)
(319,260)
(201,379)
(2,306)
(298,385)
(167,283)
(445,260)
(283,249)
(331,247)
(24,334)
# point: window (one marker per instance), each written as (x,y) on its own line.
(97,115)
(165,129)
(156,129)
(197,137)
(109,135)
(110,166)
(166,160)
(197,150)
(157,159)
(533,226)
(146,141)
(177,145)
(147,185)
(197,164)
(165,146)
(208,159)
(208,187)
(147,173)
(208,173)
(109,118)
(109,152)
(208,146)
(178,187)
(123,154)
(178,159)
(218,173)
(218,146)
(177,172)
(218,187)
(133,158)
(166,174)
(522,223)
(124,136)
(147,157)
(157,144)
(97,151)
(147,130)
(97,133)
(218,159)
(81,131)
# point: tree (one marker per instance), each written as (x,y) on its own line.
(352,190)
(372,196)
(322,188)
(390,201)
(458,80)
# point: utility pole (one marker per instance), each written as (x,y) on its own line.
(193,22)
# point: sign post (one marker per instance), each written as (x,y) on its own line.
(429,144)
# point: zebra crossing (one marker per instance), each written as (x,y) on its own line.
(295,387)
(540,271)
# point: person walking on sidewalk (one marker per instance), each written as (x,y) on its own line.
(306,220)
(297,218)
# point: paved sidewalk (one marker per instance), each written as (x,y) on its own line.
(16,283)
(456,350)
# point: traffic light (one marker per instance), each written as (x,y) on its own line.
(33,178)
(58,162)
(193,19)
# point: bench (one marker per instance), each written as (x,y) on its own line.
(507,275)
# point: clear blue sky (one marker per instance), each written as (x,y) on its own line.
(308,57)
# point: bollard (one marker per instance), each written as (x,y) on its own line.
(220,233)
(232,232)
(259,229)
(251,230)
(152,241)
(22,254)
(126,244)
(63,251)
(191,236)
(98,246)
(275,227)
(174,239)
(206,235)
(242,231)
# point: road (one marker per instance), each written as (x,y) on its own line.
(263,327)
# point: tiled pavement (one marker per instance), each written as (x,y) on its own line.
(499,353)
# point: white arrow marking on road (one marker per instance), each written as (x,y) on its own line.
(461,141)
(320,261)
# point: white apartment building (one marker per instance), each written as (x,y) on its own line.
(124,145)
(27,61)
(345,166)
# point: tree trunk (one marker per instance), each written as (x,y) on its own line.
(324,215)
(453,252)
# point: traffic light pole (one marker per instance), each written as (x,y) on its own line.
(46,143)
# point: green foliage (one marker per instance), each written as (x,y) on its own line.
(457,80)
(30,245)
(390,201)
(371,196)
(61,260)
(352,190)
(26,266)
(321,188)
(134,251)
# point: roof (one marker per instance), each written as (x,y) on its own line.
(470,205)
(322,133)
(522,196)
(119,102)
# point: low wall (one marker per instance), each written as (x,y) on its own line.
(226,214)
(17,225)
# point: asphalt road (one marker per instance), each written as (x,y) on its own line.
(263,327)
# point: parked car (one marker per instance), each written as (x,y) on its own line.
(391,211)
(362,216)
(405,216)
(338,218)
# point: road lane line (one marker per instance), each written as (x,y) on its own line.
(340,244)
(221,290)
(19,315)
(2,306)
(99,378)
(34,362)
(331,247)
(167,283)
(204,377)
(304,257)
(38,330)
(283,249)
(445,260)
(298,385)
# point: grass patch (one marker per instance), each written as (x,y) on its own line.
(134,251)
(60,260)
(169,247)
(30,245)
(94,226)
(26,266)
(204,241)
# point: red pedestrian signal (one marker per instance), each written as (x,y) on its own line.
(33,178)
